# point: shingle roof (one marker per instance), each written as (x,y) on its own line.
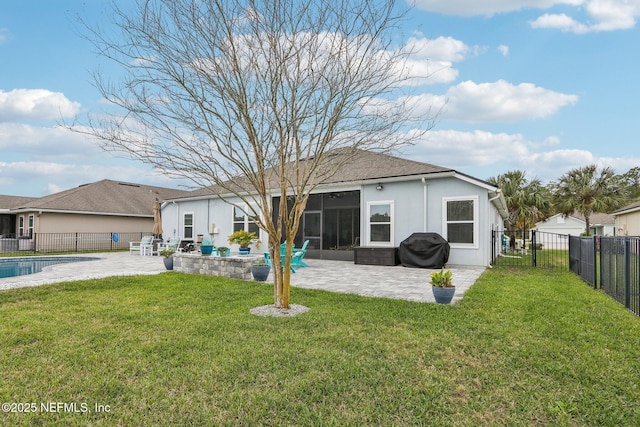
(632,206)
(8,202)
(104,197)
(362,166)
(596,218)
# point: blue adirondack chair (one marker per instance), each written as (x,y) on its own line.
(297,256)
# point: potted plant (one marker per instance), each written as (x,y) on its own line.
(244,239)
(442,286)
(260,270)
(167,253)
(222,250)
(206,247)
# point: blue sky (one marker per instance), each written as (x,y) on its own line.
(537,85)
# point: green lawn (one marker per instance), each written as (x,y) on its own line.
(524,347)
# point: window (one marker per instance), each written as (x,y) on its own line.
(31,223)
(461,221)
(380,223)
(243,221)
(21,226)
(187,225)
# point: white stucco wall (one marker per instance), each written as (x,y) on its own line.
(409,215)
(409,206)
(209,215)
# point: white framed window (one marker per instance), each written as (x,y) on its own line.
(460,216)
(242,220)
(31,225)
(21,225)
(380,217)
(187,225)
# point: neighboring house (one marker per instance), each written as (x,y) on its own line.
(574,225)
(627,220)
(102,206)
(376,201)
(560,224)
(8,219)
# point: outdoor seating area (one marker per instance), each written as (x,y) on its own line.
(297,256)
(171,243)
(144,247)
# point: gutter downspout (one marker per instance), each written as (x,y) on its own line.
(177,219)
(424,204)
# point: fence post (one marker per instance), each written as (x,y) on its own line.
(595,262)
(627,272)
(534,254)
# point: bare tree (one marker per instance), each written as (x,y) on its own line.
(250,97)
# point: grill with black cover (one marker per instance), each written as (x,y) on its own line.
(424,250)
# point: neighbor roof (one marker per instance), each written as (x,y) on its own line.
(627,209)
(596,218)
(103,197)
(9,202)
(362,166)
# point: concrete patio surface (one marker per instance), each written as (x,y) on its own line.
(412,284)
(397,282)
(107,264)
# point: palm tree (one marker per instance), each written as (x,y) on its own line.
(586,191)
(527,201)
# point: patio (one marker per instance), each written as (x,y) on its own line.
(398,282)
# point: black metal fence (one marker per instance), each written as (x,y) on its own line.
(69,242)
(611,264)
(529,248)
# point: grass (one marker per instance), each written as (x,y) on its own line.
(544,258)
(525,347)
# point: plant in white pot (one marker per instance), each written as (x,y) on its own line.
(442,286)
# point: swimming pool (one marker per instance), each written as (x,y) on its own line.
(11,267)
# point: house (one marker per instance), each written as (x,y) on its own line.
(627,220)
(8,219)
(600,224)
(374,201)
(99,207)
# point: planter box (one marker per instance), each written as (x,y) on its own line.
(236,267)
(376,256)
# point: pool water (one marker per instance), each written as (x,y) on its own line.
(11,267)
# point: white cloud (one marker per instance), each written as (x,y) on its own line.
(498,101)
(604,15)
(46,142)
(504,50)
(483,154)
(52,177)
(487,7)
(35,104)
(4,35)
(431,60)
(561,22)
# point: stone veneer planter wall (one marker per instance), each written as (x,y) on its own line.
(236,267)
